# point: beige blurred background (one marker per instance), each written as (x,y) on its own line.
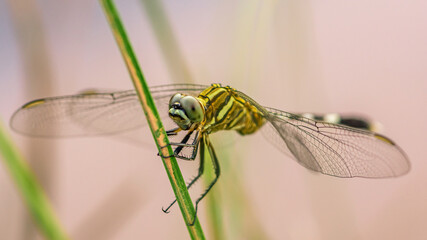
(365,57)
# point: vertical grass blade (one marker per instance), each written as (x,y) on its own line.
(156,126)
(27,20)
(30,189)
(213,203)
(180,73)
(169,46)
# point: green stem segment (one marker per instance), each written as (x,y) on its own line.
(156,126)
(31,190)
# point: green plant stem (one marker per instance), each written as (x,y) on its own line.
(156,126)
(162,29)
(213,203)
(30,189)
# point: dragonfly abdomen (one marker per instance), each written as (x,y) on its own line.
(348,120)
(225,110)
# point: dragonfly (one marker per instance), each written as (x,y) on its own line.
(338,146)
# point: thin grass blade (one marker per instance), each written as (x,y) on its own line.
(30,189)
(154,121)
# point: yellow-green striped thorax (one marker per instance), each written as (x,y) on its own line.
(215,108)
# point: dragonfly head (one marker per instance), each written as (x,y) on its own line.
(185,110)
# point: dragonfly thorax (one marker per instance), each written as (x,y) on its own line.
(185,110)
(228,109)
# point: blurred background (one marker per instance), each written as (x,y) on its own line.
(367,57)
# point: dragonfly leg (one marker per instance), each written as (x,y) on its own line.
(173,131)
(215,164)
(200,173)
(183,144)
(194,145)
(180,145)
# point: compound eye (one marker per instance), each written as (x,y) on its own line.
(174,99)
(192,108)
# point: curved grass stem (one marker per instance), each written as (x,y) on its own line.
(154,121)
(30,189)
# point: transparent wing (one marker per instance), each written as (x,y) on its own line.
(92,113)
(334,149)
